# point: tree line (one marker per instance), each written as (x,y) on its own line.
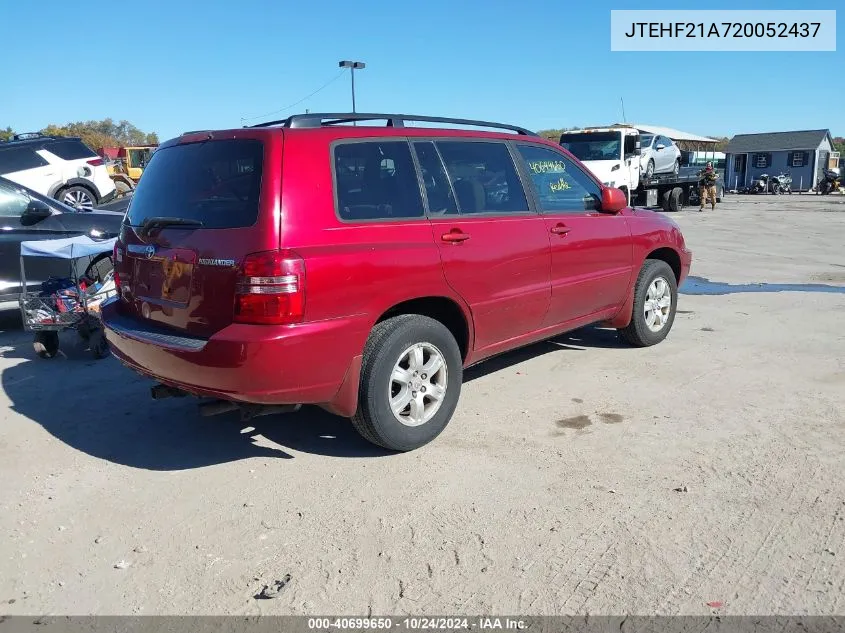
(95,134)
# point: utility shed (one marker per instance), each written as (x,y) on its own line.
(804,154)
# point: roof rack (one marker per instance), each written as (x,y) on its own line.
(315,120)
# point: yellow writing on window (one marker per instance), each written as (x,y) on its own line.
(547,166)
(559,185)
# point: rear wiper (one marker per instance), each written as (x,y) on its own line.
(160,222)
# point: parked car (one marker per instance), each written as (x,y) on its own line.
(363,268)
(27,215)
(60,167)
(659,155)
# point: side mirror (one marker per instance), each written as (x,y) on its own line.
(659,146)
(35,212)
(638,149)
(613,200)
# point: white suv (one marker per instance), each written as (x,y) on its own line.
(659,155)
(61,167)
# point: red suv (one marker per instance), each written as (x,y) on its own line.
(362,267)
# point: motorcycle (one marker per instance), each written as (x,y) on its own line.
(829,183)
(760,184)
(781,183)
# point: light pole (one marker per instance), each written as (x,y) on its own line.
(352,66)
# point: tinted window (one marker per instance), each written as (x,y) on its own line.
(70,150)
(593,145)
(438,190)
(12,202)
(645,140)
(375,181)
(216,182)
(560,185)
(483,176)
(14,159)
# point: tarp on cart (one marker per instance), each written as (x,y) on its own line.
(67,248)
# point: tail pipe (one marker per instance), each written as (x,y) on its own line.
(160,392)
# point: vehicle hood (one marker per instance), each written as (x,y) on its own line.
(93,223)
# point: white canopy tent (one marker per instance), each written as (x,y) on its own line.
(67,247)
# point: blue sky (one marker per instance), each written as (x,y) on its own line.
(175,65)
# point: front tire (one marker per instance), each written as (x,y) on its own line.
(410,382)
(655,302)
(649,170)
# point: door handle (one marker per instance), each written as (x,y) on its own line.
(560,229)
(455,236)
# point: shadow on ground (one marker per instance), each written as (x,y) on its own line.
(702,286)
(104,410)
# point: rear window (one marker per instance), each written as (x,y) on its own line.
(14,159)
(376,180)
(70,150)
(215,182)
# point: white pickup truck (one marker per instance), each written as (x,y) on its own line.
(614,155)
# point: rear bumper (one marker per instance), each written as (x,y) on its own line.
(301,364)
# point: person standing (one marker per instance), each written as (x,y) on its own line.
(707,186)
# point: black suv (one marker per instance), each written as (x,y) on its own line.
(26,215)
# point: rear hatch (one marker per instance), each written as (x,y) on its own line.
(204,203)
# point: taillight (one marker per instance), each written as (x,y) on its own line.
(95,162)
(271,289)
(116,258)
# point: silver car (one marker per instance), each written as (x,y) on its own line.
(659,155)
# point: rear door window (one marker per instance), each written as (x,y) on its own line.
(70,150)
(19,159)
(483,177)
(215,182)
(376,180)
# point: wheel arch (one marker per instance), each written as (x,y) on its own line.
(443,309)
(665,254)
(455,317)
(76,182)
(670,256)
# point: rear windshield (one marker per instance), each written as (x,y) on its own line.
(70,150)
(215,182)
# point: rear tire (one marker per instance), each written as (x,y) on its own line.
(388,380)
(46,344)
(644,330)
(676,199)
(78,197)
(664,201)
(676,169)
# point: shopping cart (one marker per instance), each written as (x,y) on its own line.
(72,302)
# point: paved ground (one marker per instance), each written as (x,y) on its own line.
(552,491)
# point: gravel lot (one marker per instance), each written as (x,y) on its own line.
(577,476)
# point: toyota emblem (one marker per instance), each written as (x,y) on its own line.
(149,251)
